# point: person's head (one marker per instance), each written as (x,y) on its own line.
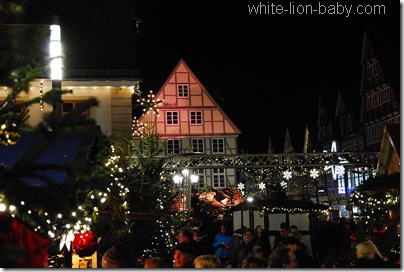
(248,235)
(119,256)
(222,228)
(258,251)
(284,230)
(228,264)
(367,250)
(185,235)
(296,234)
(282,257)
(292,242)
(293,228)
(258,229)
(254,262)
(207,261)
(184,256)
(155,262)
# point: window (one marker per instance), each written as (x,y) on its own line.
(197,146)
(196,117)
(201,181)
(218,178)
(217,145)
(173,146)
(378,98)
(183,90)
(172,117)
(374,133)
(373,70)
(69,106)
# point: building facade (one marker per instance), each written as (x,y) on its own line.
(190,121)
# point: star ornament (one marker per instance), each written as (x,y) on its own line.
(261,186)
(137,128)
(150,104)
(287,175)
(314,173)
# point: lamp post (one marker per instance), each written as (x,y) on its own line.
(55,53)
(185,181)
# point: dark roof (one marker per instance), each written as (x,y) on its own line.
(62,150)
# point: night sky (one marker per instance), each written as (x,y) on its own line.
(266,71)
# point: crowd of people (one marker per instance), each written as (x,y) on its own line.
(253,249)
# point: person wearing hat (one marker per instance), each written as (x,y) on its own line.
(304,260)
(184,255)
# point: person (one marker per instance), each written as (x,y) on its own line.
(263,236)
(119,256)
(246,247)
(207,261)
(185,235)
(228,264)
(298,248)
(223,244)
(254,262)
(155,262)
(184,256)
(369,256)
(282,257)
(283,233)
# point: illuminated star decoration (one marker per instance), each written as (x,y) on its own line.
(137,128)
(314,173)
(337,170)
(261,186)
(150,103)
(287,175)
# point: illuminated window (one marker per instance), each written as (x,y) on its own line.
(183,90)
(196,117)
(172,117)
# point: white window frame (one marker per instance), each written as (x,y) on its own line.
(172,118)
(173,146)
(199,143)
(195,117)
(218,145)
(202,178)
(218,178)
(183,90)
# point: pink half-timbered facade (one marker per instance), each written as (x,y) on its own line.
(191,122)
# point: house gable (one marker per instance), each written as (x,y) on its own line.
(188,109)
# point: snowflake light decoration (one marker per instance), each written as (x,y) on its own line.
(149,103)
(314,173)
(241,186)
(284,184)
(261,186)
(287,175)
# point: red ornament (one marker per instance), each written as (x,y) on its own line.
(85,244)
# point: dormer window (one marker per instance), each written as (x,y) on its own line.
(182,90)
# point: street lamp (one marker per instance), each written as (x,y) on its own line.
(185,186)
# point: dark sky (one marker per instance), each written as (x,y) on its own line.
(266,71)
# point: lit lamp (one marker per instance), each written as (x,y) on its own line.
(187,184)
(55,54)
